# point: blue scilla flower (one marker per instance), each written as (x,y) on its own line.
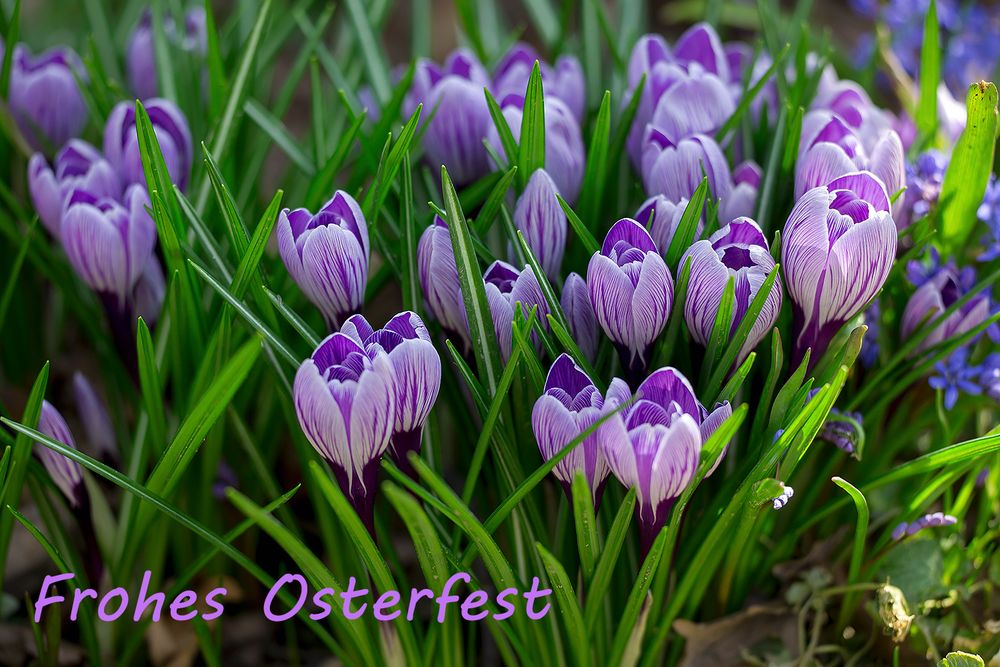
(989,213)
(869,346)
(956,375)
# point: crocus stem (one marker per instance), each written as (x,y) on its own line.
(651,523)
(400,447)
(119,317)
(92,563)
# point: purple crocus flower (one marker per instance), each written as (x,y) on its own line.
(742,199)
(439,281)
(632,291)
(95,418)
(565,155)
(149,292)
(935,296)
(140,56)
(701,44)
(505,287)
(711,420)
(832,149)
(650,58)
(345,399)
(78,166)
(850,103)
(837,248)
(543,222)
(66,474)
(417,367)
(579,311)
(697,102)
(569,406)
(454,136)
(121,141)
(662,217)
(676,170)
(660,456)
(327,254)
(108,243)
(44,97)
(955,375)
(564,80)
(739,252)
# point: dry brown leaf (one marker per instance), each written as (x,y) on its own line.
(721,643)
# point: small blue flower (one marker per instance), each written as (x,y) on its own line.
(919,271)
(989,376)
(869,346)
(989,213)
(955,375)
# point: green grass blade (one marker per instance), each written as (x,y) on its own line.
(149,383)
(531,148)
(930,74)
(567,605)
(587,540)
(687,228)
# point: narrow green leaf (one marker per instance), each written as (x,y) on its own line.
(687,228)
(748,96)
(531,148)
(279,136)
(470,278)
(636,598)
(590,244)
(15,271)
(371,50)
(507,141)
(587,540)
(860,535)
(930,75)
(494,202)
(970,167)
(149,383)
(569,608)
(10,41)
(606,563)
(595,176)
(721,331)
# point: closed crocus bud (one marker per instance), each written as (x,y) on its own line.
(417,367)
(66,474)
(564,80)
(742,199)
(345,399)
(564,152)
(662,217)
(736,252)
(94,415)
(676,170)
(140,56)
(505,287)
(660,456)
(651,59)
(439,281)
(567,83)
(632,290)
(44,97)
(698,102)
(569,406)
(109,244)
(327,255)
(837,248)
(454,136)
(579,311)
(78,166)
(543,222)
(935,296)
(121,141)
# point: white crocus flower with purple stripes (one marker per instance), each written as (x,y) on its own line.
(345,399)
(541,220)
(327,254)
(506,287)
(579,311)
(66,474)
(837,248)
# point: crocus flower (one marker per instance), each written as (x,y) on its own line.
(701,44)
(660,456)
(78,166)
(837,248)
(579,311)
(934,297)
(454,136)
(417,367)
(140,56)
(94,415)
(564,80)
(711,420)
(439,281)
(569,406)
(564,152)
(676,170)
(109,243)
(327,254)
(662,217)
(737,252)
(632,290)
(505,287)
(742,199)
(697,102)
(66,474)
(149,292)
(345,399)
(121,141)
(44,97)
(832,149)
(543,222)
(651,59)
